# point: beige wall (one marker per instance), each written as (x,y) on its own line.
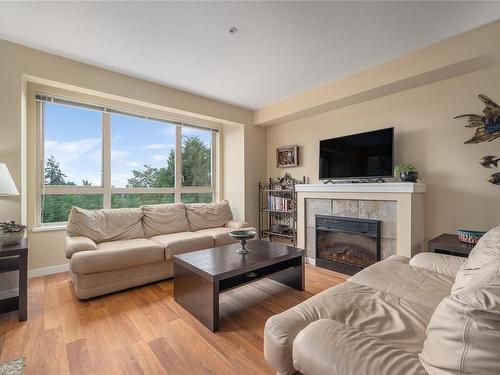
(18,64)
(458,195)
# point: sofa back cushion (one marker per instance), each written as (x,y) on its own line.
(486,251)
(106,224)
(463,335)
(164,219)
(208,215)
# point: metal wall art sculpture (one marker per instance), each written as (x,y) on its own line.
(488,125)
(487,129)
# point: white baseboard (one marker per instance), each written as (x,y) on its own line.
(311,261)
(42,271)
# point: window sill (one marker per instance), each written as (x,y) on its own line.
(49,228)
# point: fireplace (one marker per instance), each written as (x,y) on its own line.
(345,244)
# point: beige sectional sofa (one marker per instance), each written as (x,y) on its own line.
(115,249)
(434,314)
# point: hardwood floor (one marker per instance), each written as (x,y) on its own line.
(143,331)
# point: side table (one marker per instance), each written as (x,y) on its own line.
(449,244)
(15,258)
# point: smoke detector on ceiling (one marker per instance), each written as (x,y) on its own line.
(232,30)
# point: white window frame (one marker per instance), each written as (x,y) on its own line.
(106,190)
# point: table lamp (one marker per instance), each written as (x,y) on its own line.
(7,186)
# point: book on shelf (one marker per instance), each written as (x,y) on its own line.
(278,203)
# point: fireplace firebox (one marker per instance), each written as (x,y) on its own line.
(345,244)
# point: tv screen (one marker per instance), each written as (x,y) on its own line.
(356,156)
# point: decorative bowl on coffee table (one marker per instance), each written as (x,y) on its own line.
(243,236)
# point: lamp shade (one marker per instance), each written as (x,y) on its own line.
(7,186)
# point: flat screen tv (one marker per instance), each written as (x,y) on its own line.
(363,155)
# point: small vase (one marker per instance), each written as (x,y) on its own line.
(11,238)
(410,176)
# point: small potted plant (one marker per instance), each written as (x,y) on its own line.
(11,233)
(406,172)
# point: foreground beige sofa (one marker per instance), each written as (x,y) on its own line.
(115,249)
(434,314)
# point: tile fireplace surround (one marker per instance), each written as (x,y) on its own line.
(398,205)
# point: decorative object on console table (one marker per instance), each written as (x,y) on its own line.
(15,258)
(287,156)
(406,172)
(449,244)
(470,236)
(11,233)
(278,208)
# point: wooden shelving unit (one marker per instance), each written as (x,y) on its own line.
(278,209)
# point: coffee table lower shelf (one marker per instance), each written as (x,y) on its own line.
(200,295)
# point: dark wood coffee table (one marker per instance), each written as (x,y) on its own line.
(200,276)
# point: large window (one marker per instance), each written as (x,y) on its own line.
(97,157)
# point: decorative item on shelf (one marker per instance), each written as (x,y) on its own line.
(11,233)
(287,156)
(280,228)
(489,161)
(243,236)
(278,208)
(406,172)
(488,125)
(469,236)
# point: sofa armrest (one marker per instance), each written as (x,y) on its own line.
(329,347)
(78,243)
(447,265)
(236,224)
(279,332)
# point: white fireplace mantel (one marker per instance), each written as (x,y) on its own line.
(386,187)
(409,198)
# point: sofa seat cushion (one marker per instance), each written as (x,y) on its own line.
(395,321)
(329,347)
(183,242)
(208,215)
(116,255)
(414,284)
(221,235)
(106,224)
(164,219)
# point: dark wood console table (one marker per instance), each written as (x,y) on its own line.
(449,244)
(200,276)
(15,258)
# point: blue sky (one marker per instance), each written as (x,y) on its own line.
(73,137)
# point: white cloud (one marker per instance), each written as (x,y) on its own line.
(119,155)
(79,160)
(155,146)
(132,164)
(160,157)
(65,152)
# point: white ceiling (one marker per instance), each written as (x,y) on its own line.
(282,48)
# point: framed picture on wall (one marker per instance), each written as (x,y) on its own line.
(287,156)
